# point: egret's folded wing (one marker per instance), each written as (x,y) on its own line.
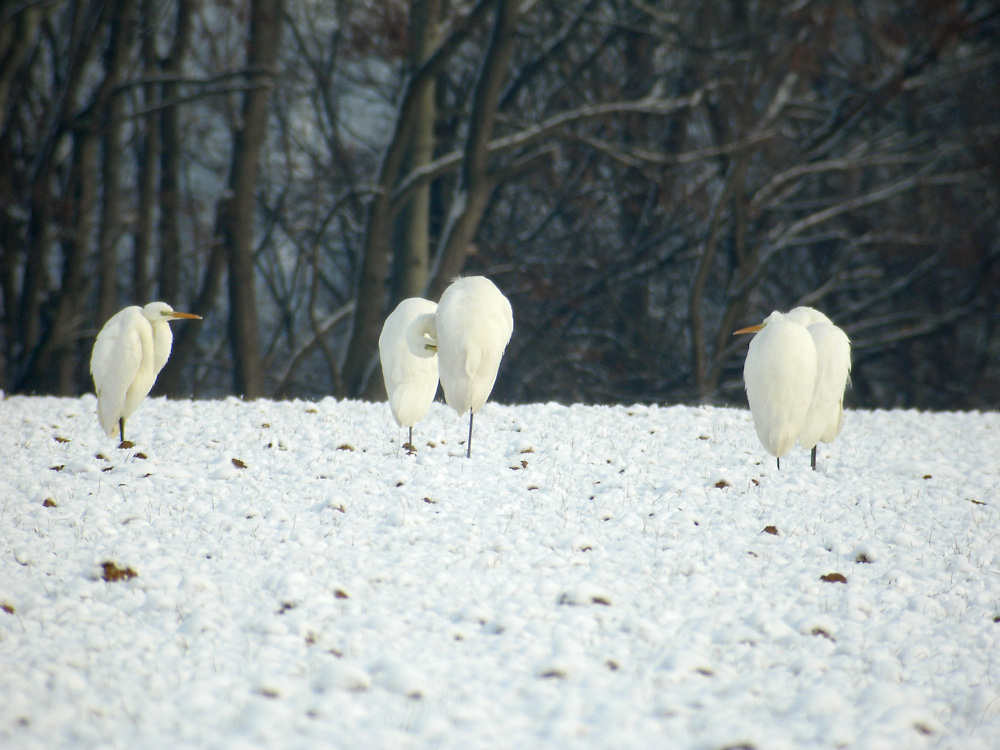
(826,414)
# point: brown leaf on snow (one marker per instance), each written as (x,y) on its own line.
(239,464)
(771,530)
(553,674)
(833,578)
(113,573)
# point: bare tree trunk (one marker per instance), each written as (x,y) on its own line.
(16,40)
(39,343)
(412,254)
(211,286)
(265,36)
(110,227)
(170,158)
(148,159)
(696,303)
(475,183)
(635,190)
(54,364)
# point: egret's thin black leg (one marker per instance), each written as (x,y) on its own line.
(779,463)
(814,458)
(468,453)
(121,428)
(411,436)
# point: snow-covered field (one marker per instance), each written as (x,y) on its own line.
(594,577)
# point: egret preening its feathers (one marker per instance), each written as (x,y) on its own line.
(469,331)
(796,370)
(411,380)
(131,349)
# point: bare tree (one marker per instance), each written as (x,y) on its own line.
(639,178)
(238,232)
(112,119)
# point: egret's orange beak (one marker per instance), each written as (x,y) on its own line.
(190,316)
(751,329)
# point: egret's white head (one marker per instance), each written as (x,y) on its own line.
(162,311)
(772,318)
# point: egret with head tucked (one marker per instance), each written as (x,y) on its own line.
(469,331)
(411,379)
(795,372)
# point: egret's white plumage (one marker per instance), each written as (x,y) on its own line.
(795,372)
(411,380)
(470,331)
(825,417)
(129,352)
(779,373)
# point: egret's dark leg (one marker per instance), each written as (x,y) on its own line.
(121,428)
(814,458)
(410,441)
(468,453)
(779,463)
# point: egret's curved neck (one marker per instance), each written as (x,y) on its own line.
(421,336)
(163,339)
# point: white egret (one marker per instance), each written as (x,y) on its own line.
(470,332)
(779,374)
(131,349)
(833,372)
(411,380)
(796,369)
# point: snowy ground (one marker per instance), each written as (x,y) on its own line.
(594,577)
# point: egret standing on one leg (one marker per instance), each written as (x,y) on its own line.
(411,380)
(470,332)
(131,349)
(833,372)
(780,375)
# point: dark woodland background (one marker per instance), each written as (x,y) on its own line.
(640,178)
